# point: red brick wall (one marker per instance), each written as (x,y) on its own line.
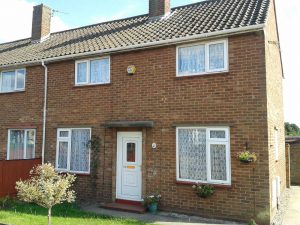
(237,98)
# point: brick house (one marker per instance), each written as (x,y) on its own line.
(173,96)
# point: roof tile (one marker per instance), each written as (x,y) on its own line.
(199,18)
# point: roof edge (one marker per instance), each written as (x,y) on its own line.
(229,32)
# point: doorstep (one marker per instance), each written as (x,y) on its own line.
(125,206)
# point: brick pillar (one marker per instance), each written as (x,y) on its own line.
(288,166)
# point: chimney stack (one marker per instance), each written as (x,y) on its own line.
(159,8)
(41,21)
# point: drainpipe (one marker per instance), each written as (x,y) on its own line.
(44,111)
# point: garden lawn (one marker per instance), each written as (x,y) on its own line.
(18,213)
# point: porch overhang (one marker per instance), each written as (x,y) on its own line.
(124,124)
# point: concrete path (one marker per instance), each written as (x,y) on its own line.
(292,214)
(162,218)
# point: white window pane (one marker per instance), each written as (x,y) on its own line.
(216,56)
(8,81)
(16,145)
(191,60)
(192,154)
(99,71)
(81,72)
(20,79)
(218,134)
(218,162)
(80,150)
(30,144)
(64,133)
(62,155)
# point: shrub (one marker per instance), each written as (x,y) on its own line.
(46,188)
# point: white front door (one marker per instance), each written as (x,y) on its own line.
(129,165)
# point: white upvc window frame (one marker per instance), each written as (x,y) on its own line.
(276,144)
(209,141)
(16,89)
(207,56)
(88,71)
(69,140)
(25,143)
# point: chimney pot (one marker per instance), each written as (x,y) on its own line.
(41,22)
(158,8)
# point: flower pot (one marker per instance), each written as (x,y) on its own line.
(201,195)
(250,160)
(152,208)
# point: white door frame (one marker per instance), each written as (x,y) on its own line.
(120,164)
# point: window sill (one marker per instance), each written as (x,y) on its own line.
(12,92)
(224,186)
(90,85)
(224,72)
(22,159)
(73,173)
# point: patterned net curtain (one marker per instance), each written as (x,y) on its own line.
(8,81)
(216,56)
(81,72)
(63,155)
(16,148)
(191,59)
(192,154)
(218,162)
(99,71)
(80,150)
(30,144)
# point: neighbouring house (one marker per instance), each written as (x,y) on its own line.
(294,144)
(172,96)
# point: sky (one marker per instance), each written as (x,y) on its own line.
(16,16)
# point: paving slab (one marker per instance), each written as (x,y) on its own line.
(162,218)
(292,214)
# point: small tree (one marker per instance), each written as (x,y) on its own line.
(46,188)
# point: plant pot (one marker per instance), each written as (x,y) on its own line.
(246,161)
(203,195)
(153,208)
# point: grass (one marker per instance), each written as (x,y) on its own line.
(19,213)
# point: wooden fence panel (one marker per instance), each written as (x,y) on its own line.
(12,171)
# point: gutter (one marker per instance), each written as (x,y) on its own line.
(230,32)
(44,110)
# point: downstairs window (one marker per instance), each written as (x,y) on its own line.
(73,152)
(203,155)
(21,144)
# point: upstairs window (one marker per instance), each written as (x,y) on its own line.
(203,155)
(13,80)
(202,58)
(94,71)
